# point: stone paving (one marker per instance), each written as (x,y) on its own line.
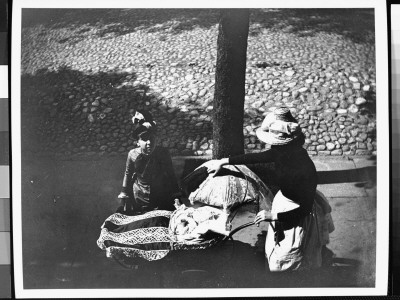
(85,71)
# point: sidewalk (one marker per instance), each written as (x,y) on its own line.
(65,203)
(350,186)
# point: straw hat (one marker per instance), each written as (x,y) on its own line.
(279,128)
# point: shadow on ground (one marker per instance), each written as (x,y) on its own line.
(63,206)
(355,24)
(117,22)
(65,109)
(232,265)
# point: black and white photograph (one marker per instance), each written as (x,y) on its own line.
(199,149)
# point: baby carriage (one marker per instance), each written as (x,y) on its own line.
(206,223)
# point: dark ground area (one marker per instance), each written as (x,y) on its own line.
(65,203)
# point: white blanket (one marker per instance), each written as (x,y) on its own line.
(189,223)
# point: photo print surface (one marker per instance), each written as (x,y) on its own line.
(115,107)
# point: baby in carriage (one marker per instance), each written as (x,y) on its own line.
(192,224)
(204,217)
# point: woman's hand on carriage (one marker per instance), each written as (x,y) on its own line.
(215,165)
(264,216)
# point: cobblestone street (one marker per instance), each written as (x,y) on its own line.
(84,72)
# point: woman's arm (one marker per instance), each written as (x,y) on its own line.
(253,158)
(214,166)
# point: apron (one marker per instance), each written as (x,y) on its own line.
(301,245)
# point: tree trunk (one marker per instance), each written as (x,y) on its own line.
(230,83)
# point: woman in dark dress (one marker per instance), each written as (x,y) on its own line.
(149,182)
(295,244)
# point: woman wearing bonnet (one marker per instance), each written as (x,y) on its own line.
(292,241)
(149,181)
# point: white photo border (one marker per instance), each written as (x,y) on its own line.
(382,241)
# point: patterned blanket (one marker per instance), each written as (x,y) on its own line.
(152,235)
(146,236)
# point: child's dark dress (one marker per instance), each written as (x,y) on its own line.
(150,180)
